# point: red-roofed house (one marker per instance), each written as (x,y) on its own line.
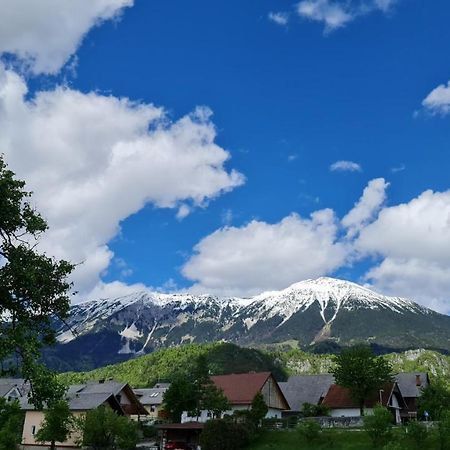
(240,390)
(341,404)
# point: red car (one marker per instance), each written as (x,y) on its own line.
(177,445)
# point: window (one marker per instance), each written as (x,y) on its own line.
(33,430)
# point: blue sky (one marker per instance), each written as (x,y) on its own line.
(289,99)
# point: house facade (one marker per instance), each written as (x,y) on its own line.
(81,398)
(152,399)
(411,385)
(241,389)
(341,404)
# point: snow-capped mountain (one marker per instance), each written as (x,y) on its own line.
(308,313)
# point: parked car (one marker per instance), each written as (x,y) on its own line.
(177,445)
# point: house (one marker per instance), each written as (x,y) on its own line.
(13,388)
(341,404)
(82,398)
(241,389)
(302,389)
(411,385)
(152,398)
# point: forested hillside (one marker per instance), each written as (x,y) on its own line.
(226,358)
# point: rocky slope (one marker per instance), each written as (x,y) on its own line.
(309,313)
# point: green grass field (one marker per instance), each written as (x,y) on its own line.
(333,440)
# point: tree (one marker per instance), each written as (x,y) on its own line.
(214,400)
(33,287)
(180,396)
(103,429)
(57,425)
(11,422)
(363,373)
(435,399)
(378,426)
(258,409)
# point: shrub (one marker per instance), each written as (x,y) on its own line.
(224,434)
(443,431)
(417,433)
(394,445)
(310,410)
(309,430)
(378,426)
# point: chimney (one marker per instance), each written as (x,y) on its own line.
(418,380)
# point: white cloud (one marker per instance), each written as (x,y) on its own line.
(44,34)
(280,18)
(345,166)
(94,160)
(366,208)
(333,15)
(438,100)
(336,14)
(260,255)
(414,241)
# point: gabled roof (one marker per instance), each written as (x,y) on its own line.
(84,397)
(240,389)
(306,389)
(339,397)
(150,396)
(412,383)
(8,384)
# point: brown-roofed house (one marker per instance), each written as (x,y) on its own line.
(240,390)
(341,404)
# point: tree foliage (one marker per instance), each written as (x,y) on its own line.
(11,422)
(258,409)
(103,429)
(194,392)
(435,399)
(362,372)
(224,434)
(33,287)
(57,425)
(179,397)
(378,426)
(310,410)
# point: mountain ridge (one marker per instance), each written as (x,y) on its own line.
(309,312)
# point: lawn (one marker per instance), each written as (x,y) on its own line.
(331,439)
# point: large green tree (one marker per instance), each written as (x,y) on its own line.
(362,372)
(103,429)
(57,425)
(33,287)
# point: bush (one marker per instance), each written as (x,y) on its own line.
(394,445)
(309,430)
(378,426)
(149,431)
(224,434)
(310,410)
(443,431)
(417,433)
